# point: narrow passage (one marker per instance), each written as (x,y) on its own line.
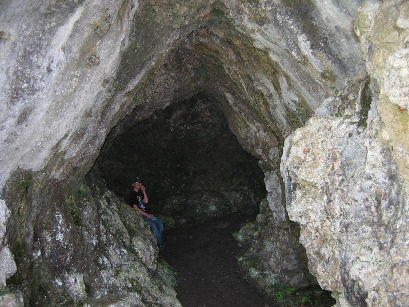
(207,272)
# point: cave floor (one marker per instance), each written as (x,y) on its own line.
(207,271)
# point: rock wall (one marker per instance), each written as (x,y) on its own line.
(72,71)
(347,185)
(84,247)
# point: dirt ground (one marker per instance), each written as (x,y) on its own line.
(208,274)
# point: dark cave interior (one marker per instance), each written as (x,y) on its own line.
(200,181)
(204,186)
(192,165)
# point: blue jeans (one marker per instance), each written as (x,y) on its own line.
(157,229)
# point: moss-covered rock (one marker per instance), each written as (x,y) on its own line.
(88,244)
(270,254)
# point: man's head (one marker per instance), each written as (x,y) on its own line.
(136,182)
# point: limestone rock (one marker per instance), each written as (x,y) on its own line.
(342,187)
(271,254)
(56,104)
(347,186)
(384,34)
(7,266)
(4,215)
(11,300)
(86,250)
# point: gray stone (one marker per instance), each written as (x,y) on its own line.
(342,190)
(4,215)
(14,299)
(7,266)
(272,254)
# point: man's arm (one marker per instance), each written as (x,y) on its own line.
(149,216)
(145,196)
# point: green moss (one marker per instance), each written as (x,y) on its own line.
(129,219)
(102,26)
(329,75)
(38,285)
(17,195)
(47,224)
(252,2)
(246,233)
(72,204)
(22,185)
(19,252)
(308,296)
(3,35)
(132,230)
(84,190)
(135,287)
(217,15)
(166,273)
(299,3)
(261,19)
(293,118)
(75,196)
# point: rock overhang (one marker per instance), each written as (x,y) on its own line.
(223,52)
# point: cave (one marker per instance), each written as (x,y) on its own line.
(202,185)
(202,181)
(289,117)
(190,161)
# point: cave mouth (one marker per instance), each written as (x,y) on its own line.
(192,165)
(202,184)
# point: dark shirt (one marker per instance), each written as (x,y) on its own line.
(137,198)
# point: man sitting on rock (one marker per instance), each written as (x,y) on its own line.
(138,199)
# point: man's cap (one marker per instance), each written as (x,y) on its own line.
(136,179)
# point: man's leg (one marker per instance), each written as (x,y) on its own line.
(156,230)
(159,225)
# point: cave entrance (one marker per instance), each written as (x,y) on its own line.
(202,184)
(190,162)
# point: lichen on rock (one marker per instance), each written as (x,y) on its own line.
(384,36)
(342,190)
(107,253)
